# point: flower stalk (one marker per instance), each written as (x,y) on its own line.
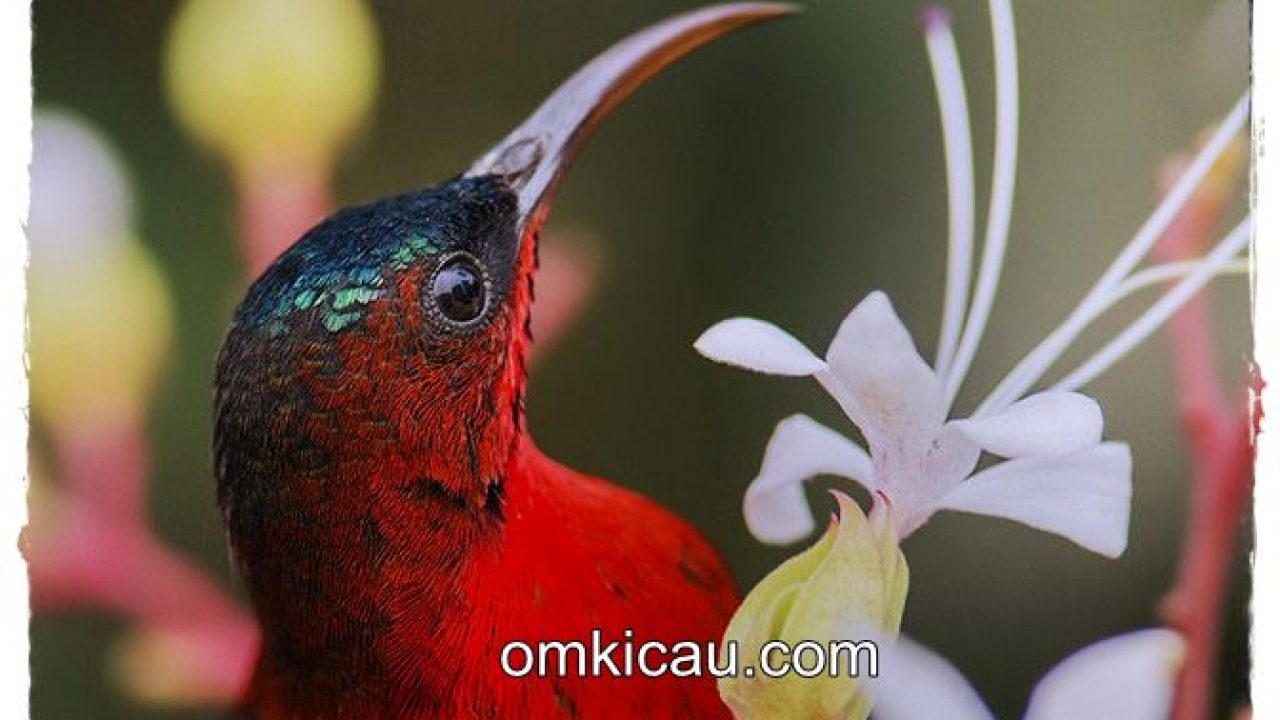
(1219,442)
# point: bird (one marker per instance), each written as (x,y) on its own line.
(394,523)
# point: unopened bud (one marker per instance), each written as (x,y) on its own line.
(852,581)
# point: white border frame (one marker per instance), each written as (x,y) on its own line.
(1266,313)
(15,158)
(15,155)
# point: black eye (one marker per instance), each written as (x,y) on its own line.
(460,290)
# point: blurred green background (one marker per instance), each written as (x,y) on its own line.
(782,173)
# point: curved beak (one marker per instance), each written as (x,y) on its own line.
(535,155)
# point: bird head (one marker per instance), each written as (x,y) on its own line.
(386,347)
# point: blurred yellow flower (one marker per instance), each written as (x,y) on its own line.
(849,586)
(285,81)
(100,334)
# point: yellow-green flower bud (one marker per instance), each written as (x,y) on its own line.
(853,581)
(285,81)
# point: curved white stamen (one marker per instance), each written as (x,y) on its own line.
(1002,182)
(954,110)
(1172,271)
(1166,306)
(1035,363)
(1173,201)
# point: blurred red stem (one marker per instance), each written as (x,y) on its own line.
(106,464)
(1221,453)
(277,204)
(97,561)
(1195,605)
(100,551)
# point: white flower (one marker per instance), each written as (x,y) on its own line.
(1060,476)
(1057,474)
(1127,677)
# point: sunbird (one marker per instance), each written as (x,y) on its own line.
(395,524)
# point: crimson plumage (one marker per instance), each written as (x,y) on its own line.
(394,522)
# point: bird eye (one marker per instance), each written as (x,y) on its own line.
(460,290)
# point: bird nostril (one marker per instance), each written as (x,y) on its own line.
(517,162)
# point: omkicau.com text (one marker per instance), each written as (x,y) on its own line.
(630,657)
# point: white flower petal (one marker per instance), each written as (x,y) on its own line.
(757,345)
(1128,677)
(775,506)
(949,461)
(893,395)
(1047,423)
(916,683)
(1083,496)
